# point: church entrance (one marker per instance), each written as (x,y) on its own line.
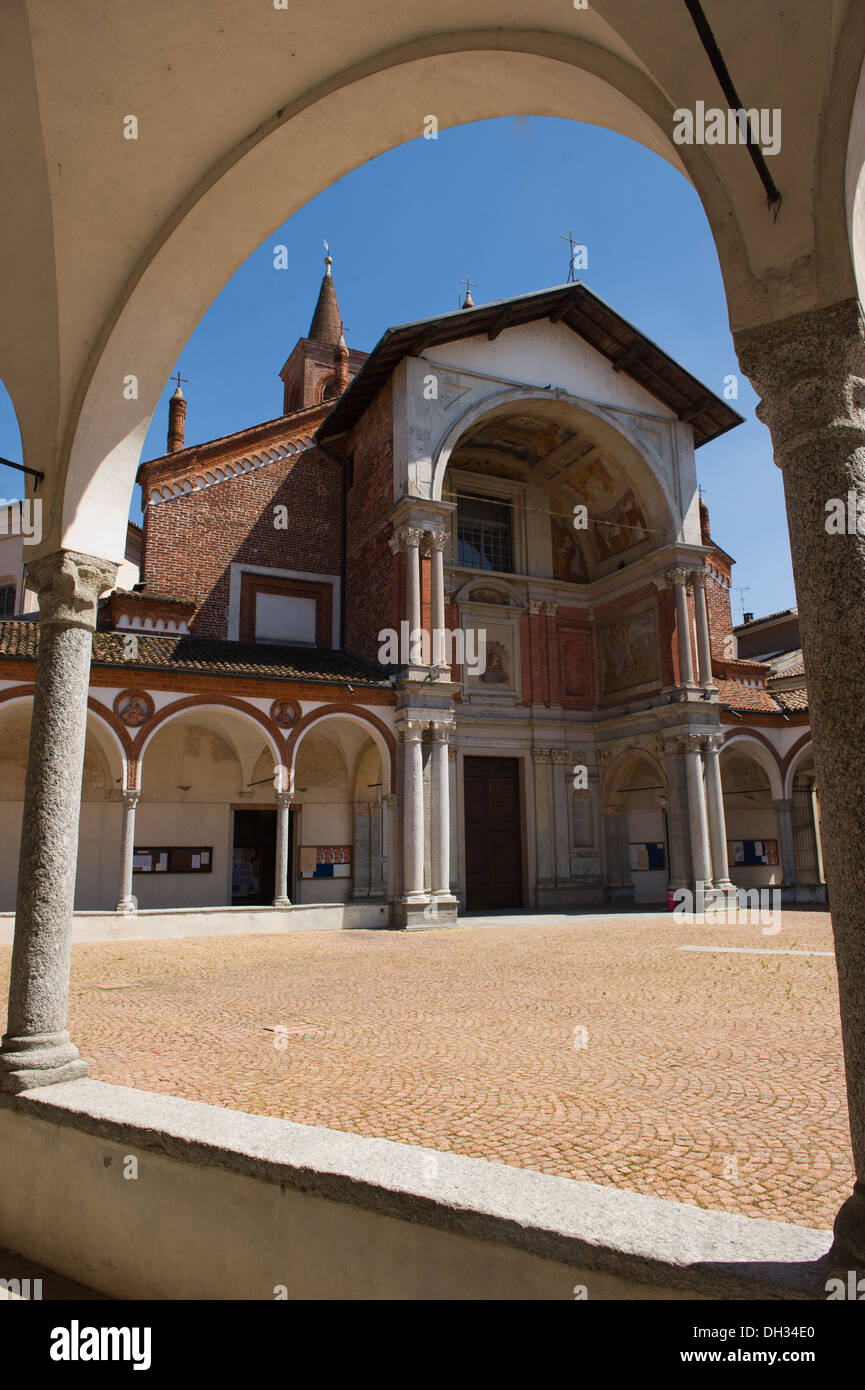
(494,854)
(253,874)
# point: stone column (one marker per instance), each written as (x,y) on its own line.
(678,823)
(37,1049)
(809,370)
(560,760)
(389,841)
(543,818)
(440,798)
(283,816)
(126,902)
(437,542)
(700,853)
(717,819)
(413,536)
(411,732)
(788,846)
(678,577)
(360,852)
(616,846)
(704,648)
(376,846)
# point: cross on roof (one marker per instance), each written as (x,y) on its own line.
(180,378)
(571,244)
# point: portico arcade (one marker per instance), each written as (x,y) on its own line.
(793,280)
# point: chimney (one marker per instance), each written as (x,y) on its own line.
(747,617)
(176,421)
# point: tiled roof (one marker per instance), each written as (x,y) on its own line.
(207,656)
(787,664)
(767,618)
(740,696)
(792,700)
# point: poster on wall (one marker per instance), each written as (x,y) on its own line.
(753,853)
(647,855)
(325,861)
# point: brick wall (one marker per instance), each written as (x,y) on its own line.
(718,607)
(192,540)
(370,582)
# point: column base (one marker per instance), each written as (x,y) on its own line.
(425,914)
(128,906)
(848,1247)
(39,1059)
(281,902)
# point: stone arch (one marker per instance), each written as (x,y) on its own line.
(250,714)
(801,751)
(621,769)
(578,80)
(377,731)
(750,743)
(629,451)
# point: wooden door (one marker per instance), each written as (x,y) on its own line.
(494,853)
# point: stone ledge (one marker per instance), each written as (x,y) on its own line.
(643,1239)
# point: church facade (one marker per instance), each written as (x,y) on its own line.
(449,634)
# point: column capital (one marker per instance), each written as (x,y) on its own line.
(405,538)
(714,743)
(131,796)
(536,605)
(435,540)
(550,610)
(284,798)
(679,574)
(694,743)
(560,755)
(441,729)
(410,730)
(68,585)
(541,755)
(782,803)
(361,808)
(698,578)
(801,368)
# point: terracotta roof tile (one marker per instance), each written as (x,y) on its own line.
(208,656)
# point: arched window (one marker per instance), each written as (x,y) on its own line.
(329,391)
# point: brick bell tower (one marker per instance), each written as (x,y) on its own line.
(320,366)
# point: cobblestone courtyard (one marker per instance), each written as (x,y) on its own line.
(596,1049)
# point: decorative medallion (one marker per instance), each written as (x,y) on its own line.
(284,713)
(134,707)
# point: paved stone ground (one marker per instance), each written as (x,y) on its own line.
(590,1048)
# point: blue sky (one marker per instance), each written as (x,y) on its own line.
(492,201)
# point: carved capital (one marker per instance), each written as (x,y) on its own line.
(560,755)
(809,372)
(698,579)
(441,730)
(436,540)
(69,585)
(410,730)
(693,743)
(541,755)
(550,610)
(535,605)
(361,808)
(679,574)
(131,797)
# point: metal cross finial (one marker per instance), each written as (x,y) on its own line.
(180,378)
(571,244)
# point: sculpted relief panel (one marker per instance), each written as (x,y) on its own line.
(628,654)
